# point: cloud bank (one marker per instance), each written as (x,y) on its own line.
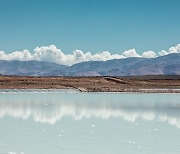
(53,54)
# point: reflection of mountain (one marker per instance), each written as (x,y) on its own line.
(51,112)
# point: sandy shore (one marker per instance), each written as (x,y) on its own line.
(145,84)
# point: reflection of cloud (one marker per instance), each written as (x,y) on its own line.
(51,112)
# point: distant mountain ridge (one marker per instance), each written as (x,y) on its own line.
(164,65)
(28,68)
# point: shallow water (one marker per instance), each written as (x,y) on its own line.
(92,123)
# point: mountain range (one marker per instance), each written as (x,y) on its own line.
(164,65)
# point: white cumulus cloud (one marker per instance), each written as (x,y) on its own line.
(16,55)
(131,53)
(149,54)
(175,49)
(163,53)
(53,54)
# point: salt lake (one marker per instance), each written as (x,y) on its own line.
(93,123)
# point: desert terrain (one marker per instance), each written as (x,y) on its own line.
(146,84)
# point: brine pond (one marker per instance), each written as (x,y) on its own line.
(89,123)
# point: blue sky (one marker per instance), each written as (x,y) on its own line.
(90,25)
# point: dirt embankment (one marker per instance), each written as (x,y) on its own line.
(157,84)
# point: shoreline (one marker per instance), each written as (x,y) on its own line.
(148,91)
(138,84)
(38,91)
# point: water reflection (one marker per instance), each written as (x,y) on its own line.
(50,109)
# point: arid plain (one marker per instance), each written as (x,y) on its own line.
(145,84)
